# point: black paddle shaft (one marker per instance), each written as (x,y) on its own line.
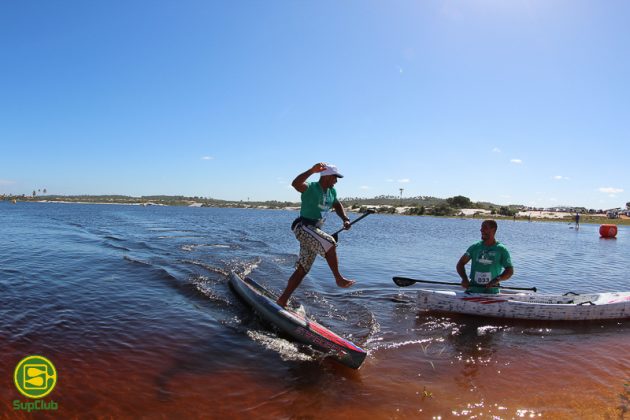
(367,213)
(405,281)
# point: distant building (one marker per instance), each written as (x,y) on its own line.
(613,213)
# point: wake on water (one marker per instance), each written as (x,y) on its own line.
(215,290)
(287,350)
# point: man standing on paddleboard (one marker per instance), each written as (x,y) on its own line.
(316,201)
(577,220)
(491,262)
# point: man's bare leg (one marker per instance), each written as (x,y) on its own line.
(294,281)
(331,258)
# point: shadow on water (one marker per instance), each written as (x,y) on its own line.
(202,358)
(474,344)
(470,325)
(475,341)
(247,342)
(263,365)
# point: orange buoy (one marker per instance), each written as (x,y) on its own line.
(608,231)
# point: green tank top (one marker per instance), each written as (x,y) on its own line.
(315,203)
(487,262)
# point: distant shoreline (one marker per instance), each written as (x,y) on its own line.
(471,213)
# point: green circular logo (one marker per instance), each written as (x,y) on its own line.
(35,376)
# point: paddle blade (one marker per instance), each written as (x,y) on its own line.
(403,282)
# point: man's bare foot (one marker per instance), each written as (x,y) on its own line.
(281,303)
(344,283)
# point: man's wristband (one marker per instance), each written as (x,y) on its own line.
(345,219)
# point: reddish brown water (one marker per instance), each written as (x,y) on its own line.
(467,376)
(132,307)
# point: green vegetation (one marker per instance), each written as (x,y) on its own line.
(412,206)
(163,200)
(598,220)
(426,205)
(460,202)
(506,211)
(390,200)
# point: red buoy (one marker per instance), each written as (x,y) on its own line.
(608,231)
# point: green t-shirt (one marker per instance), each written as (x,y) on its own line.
(487,262)
(315,203)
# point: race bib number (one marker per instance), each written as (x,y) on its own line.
(482,277)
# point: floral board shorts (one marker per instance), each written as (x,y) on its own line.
(313,241)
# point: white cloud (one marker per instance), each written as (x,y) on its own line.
(496,150)
(404,181)
(560,178)
(6,182)
(516,161)
(611,190)
(207,158)
(364,187)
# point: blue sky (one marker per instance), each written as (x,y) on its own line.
(523,102)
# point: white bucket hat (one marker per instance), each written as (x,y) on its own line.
(331,170)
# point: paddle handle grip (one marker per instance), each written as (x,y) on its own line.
(353,222)
(366,214)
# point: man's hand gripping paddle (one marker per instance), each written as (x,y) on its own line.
(367,213)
